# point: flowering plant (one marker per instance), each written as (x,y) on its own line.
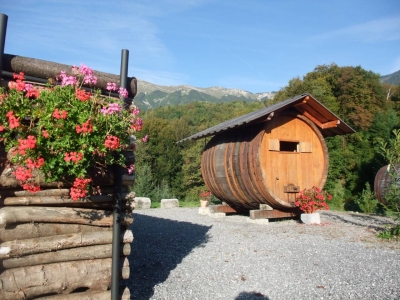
(205,196)
(63,131)
(310,200)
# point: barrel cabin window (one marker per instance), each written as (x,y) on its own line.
(290,146)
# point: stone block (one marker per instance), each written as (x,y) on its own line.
(169,203)
(204,211)
(217,215)
(142,203)
(310,218)
(258,221)
(265,207)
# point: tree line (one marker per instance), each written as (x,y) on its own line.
(165,168)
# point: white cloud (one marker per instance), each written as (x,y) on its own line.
(160,77)
(395,65)
(385,29)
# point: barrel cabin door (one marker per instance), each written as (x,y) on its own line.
(293,156)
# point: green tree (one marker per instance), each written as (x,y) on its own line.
(391,152)
(193,181)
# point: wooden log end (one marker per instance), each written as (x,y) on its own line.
(127,236)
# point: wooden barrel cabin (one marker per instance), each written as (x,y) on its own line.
(265,158)
(384,178)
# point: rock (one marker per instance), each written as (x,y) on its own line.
(310,218)
(169,203)
(142,203)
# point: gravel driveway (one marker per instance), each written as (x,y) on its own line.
(179,254)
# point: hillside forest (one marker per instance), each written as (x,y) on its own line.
(165,168)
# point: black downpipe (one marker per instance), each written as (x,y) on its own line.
(118,172)
(3,30)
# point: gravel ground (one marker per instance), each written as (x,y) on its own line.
(179,254)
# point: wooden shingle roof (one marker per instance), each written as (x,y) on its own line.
(306,104)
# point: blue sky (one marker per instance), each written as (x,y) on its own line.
(254,45)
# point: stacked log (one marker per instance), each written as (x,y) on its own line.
(47,69)
(53,247)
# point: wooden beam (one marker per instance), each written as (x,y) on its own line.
(221,208)
(325,125)
(302,102)
(308,115)
(50,200)
(330,124)
(66,277)
(29,230)
(24,214)
(271,214)
(73,254)
(19,248)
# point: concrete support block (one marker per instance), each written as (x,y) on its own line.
(204,211)
(258,221)
(142,203)
(310,218)
(169,203)
(217,215)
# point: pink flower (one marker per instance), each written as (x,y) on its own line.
(111,86)
(111,108)
(67,80)
(136,111)
(131,168)
(123,92)
(145,138)
(88,75)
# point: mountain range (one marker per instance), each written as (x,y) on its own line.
(393,79)
(151,95)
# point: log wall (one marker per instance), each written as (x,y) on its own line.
(52,247)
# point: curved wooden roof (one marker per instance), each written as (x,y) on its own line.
(306,104)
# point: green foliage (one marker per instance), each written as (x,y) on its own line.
(338,196)
(391,232)
(179,163)
(352,92)
(391,152)
(367,200)
(191,169)
(143,181)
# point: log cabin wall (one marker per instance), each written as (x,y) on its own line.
(49,243)
(53,245)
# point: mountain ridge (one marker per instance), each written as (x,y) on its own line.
(393,79)
(150,95)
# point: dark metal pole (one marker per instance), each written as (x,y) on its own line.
(118,172)
(3,30)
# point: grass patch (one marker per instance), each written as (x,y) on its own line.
(192,203)
(155,204)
